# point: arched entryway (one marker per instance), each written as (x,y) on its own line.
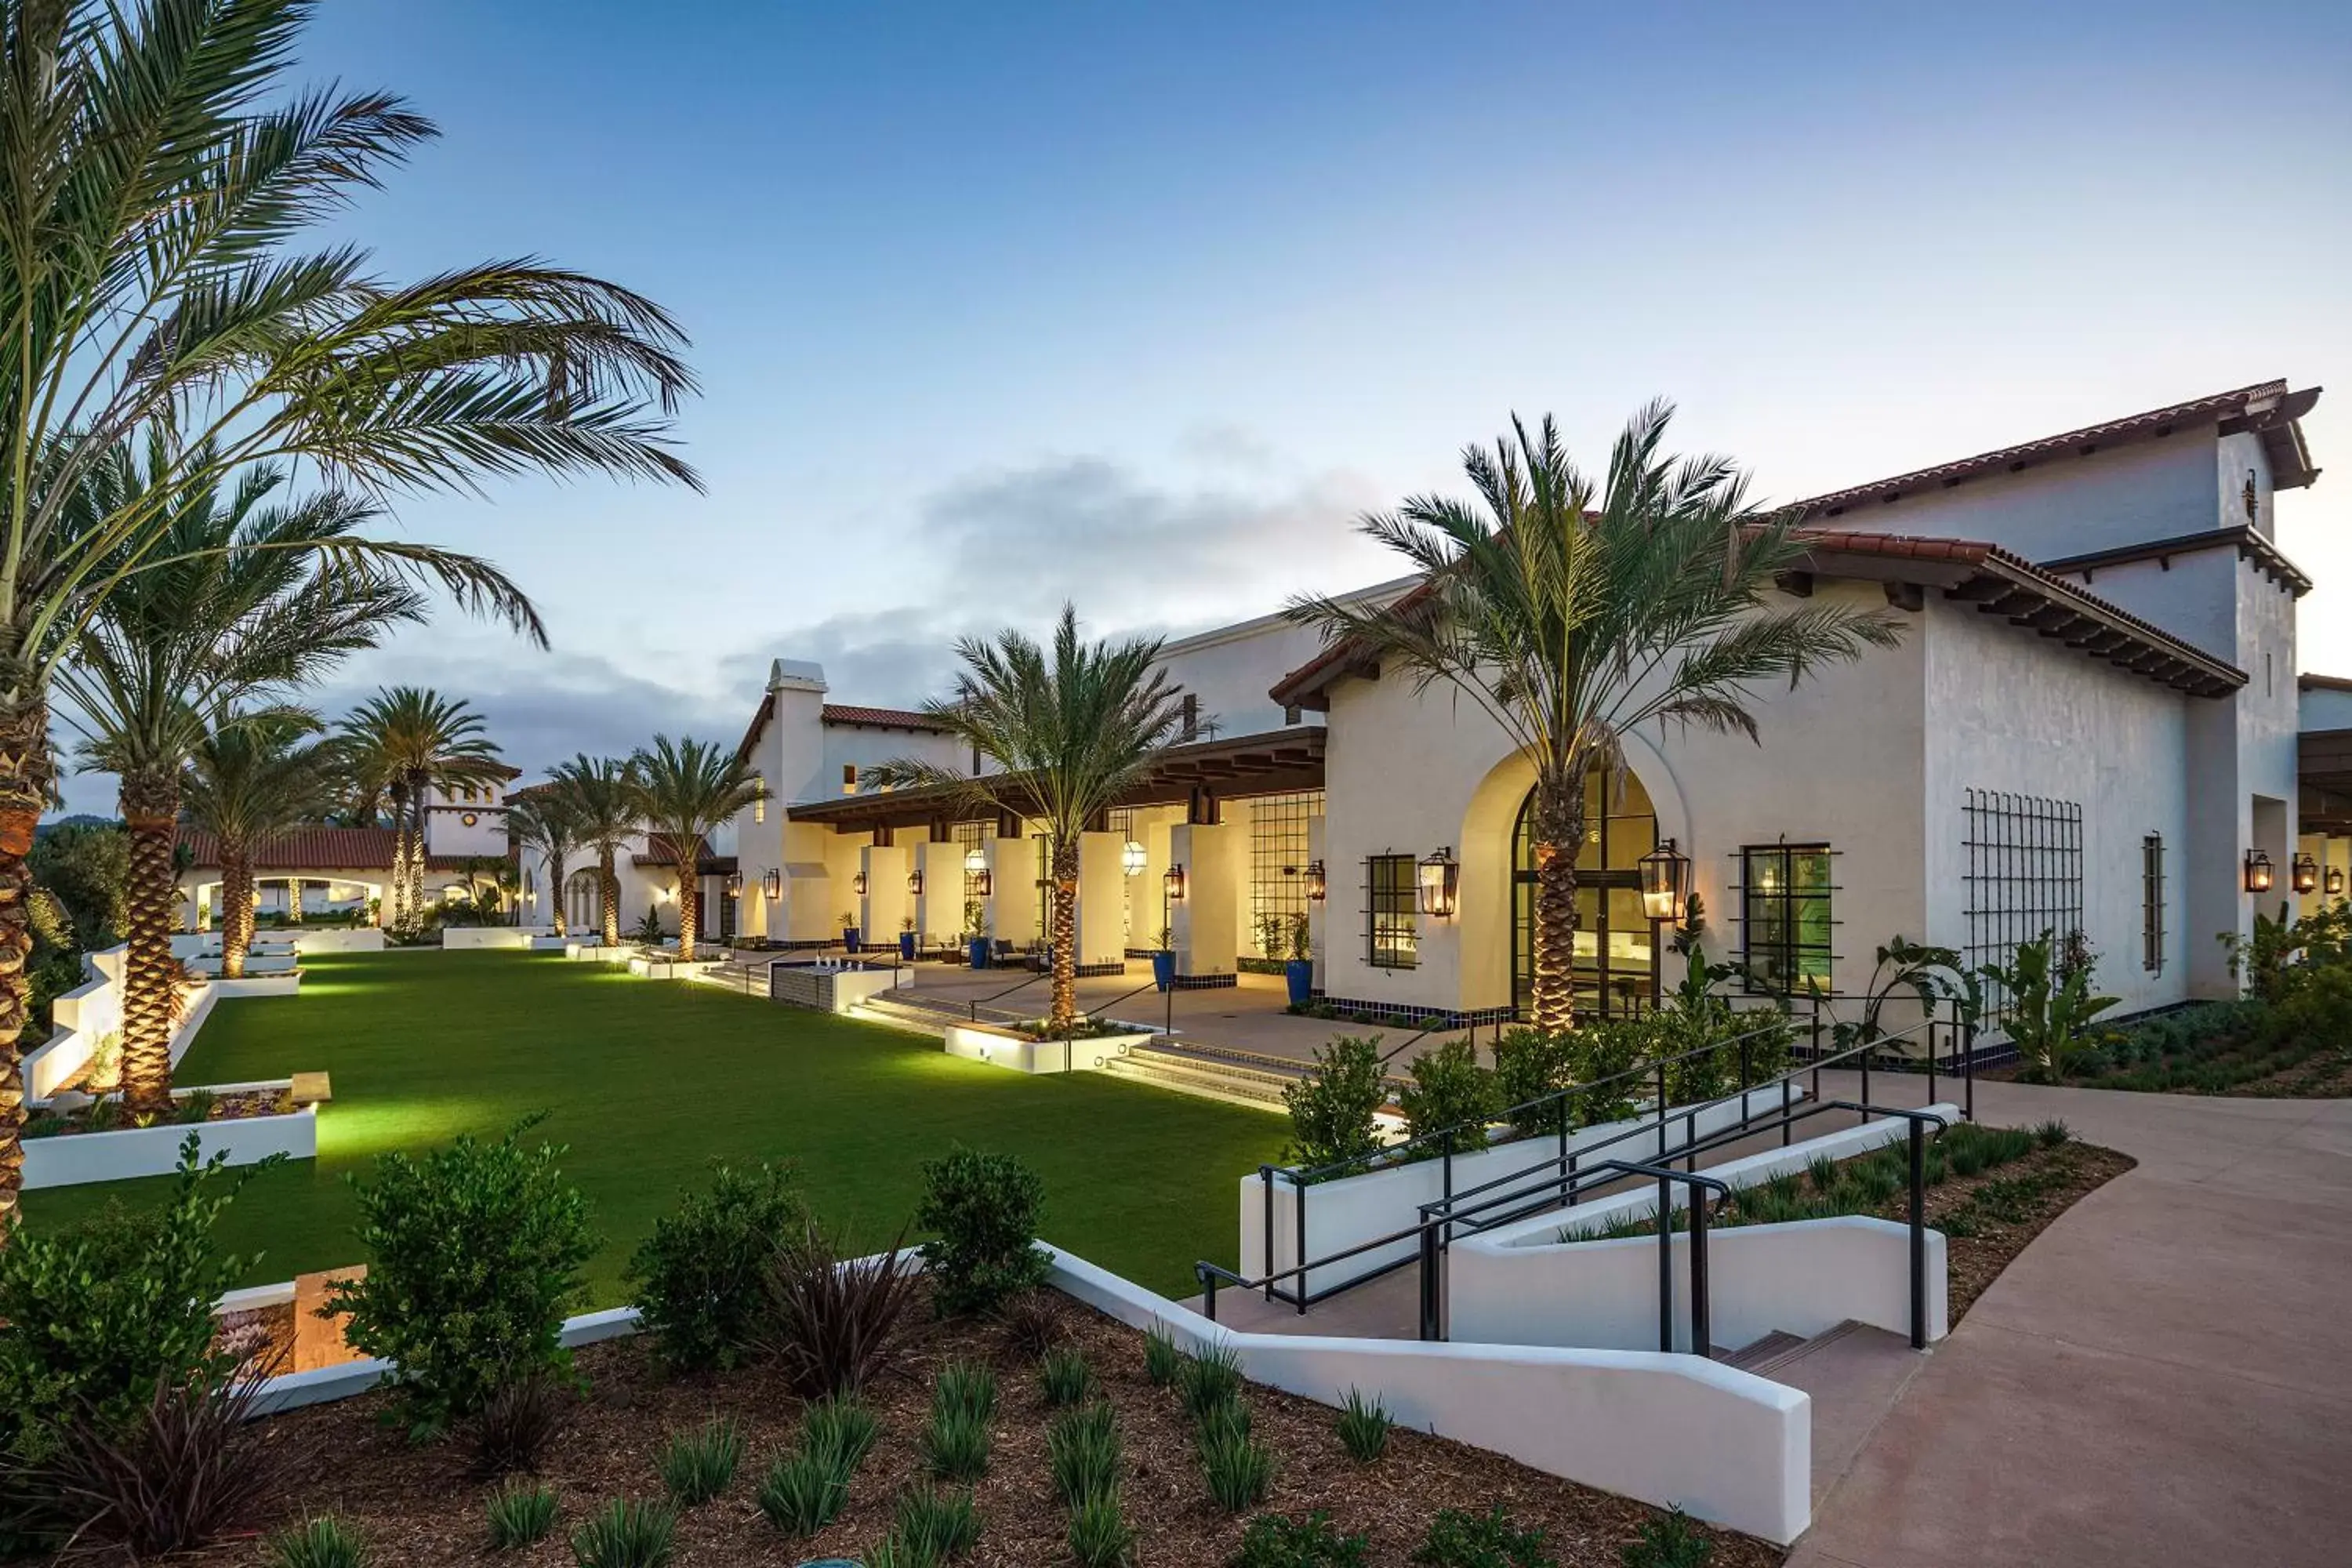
(581,907)
(1616,961)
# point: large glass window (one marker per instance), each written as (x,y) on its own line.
(1615,964)
(1391,939)
(2151,903)
(1278,826)
(970,836)
(1785,923)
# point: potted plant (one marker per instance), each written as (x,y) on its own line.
(1299,972)
(975,933)
(907,939)
(848,930)
(1163,959)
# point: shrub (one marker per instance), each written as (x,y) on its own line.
(1458,1539)
(1033,1324)
(1331,1109)
(1608,1050)
(195,1107)
(1066,1377)
(1272,1541)
(1449,1089)
(474,1253)
(1530,1064)
(698,1278)
(840,1430)
(171,1478)
(983,1209)
(1238,1467)
(1364,1427)
(802,1491)
(1209,1379)
(936,1526)
(696,1467)
(518,1421)
(1163,1361)
(326,1543)
(967,1387)
(625,1535)
(1100,1536)
(832,1326)
(521,1512)
(1671,1542)
(2052,1133)
(102,1316)
(1082,1450)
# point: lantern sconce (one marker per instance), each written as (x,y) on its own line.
(2335,883)
(975,861)
(1174,884)
(1132,857)
(915,883)
(734,883)
(858,884)
(771,883)
(983,883)
(2258,871)
(1665,883)
(1441,884)
(2305,874)
(1318,886)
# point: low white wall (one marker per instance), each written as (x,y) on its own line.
(286,985)
(1002,1048)
(659,967)
(457,939)
(594,952)
(1358,1209)
(155,1150)
(283,962)
(825,988)
(341,939)
(80,1018)
(1671,1430)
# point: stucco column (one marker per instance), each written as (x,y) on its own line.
(939,913)
(1102,898)
(1207,929)
(1011,901)
(884,904)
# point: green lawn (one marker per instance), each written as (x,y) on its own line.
(647,1082)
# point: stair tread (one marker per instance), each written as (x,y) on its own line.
(1802,1348)
(1747,1358)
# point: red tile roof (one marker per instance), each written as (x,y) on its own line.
(305,849)
(882,717)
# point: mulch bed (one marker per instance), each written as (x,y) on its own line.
(419,1506)
(236,1106)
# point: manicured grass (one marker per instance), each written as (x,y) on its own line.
(648,1081)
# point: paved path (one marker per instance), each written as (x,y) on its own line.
(2164,1377)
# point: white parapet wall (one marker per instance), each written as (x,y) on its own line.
(79,1019)
(667,966)
(1522,1284)
(284,961)
(1354,1210)
(581,952)
(71,1161)
(340,939)
(1007,1048)
(829,987)
(466,939)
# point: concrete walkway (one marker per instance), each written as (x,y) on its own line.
(2164,1377)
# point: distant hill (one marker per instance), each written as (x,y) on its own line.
(79,818)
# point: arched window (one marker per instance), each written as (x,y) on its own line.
(1615,967)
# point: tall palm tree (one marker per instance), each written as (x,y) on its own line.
(542,820)
(248,783)
(687,790)
(246,600)
(600,798)
(158,171)
(1075,728)
(1574,613)
(409,740)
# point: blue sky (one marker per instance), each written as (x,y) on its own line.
(1141,305)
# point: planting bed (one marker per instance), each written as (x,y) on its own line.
(419,1505)
(231,1105)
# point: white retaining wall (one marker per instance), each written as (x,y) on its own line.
(467,939)
(70,1161)
(81,1016)
(1356,1209)
(255,963)
(1004,1048)
(342,939)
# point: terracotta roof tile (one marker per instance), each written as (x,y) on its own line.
(885,718)
(305,849)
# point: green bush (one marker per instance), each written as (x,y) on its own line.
(1364,1427)
(1083,1451)
(1163,1363)
(521,1512)
(1064,1376)
(1529,1065)
(1449,1089)
(936,1526)
(1099,1535)
(1209,1379)
(698,1279)
(843,1430)
(955,1445)
(802,1491)
(1331,1109)
(1606,1049)
(326,1543)
(474,1252)
(1272,1541)
(97,1317)
(1459,1539)
(983,1210)
(626,1535)
(1238,1467)
(697,1465)
(1672,1542)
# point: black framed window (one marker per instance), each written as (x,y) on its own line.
(1391,939)
(2151,903)
(1785,923)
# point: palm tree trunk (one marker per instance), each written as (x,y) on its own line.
(150,806)
(689,910)
(236,909)
(1558,837)
(555,892)
(26,770)
(608,896)
(399,889)
(1065,1013)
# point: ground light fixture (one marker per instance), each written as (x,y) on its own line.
(1441,884)
(1318,885)
(915,884)
(1131,858)
(771,883)
(2258,871)
(1665,883)
(2335,884)
(1173,882)
(2305,873)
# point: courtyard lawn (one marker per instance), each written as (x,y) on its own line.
(647,1082)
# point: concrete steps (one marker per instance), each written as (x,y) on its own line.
(1853,1374)
(1211,1077)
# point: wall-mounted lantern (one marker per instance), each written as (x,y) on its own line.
(858,884)
(915,883)
(771,883)
(1131,858)
(975,861)
(1441,884)
(983,882)
(2335,882)
(1318,886)
(734,884)
(1665,883)
(1174,884)
(2305,874)
(2258,871)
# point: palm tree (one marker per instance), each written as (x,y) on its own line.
(1074,727)
(247,599)
(542,820)
(1573,624)
(687,790)
(157,173)
(249,783)
(599,798)
(409,740)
